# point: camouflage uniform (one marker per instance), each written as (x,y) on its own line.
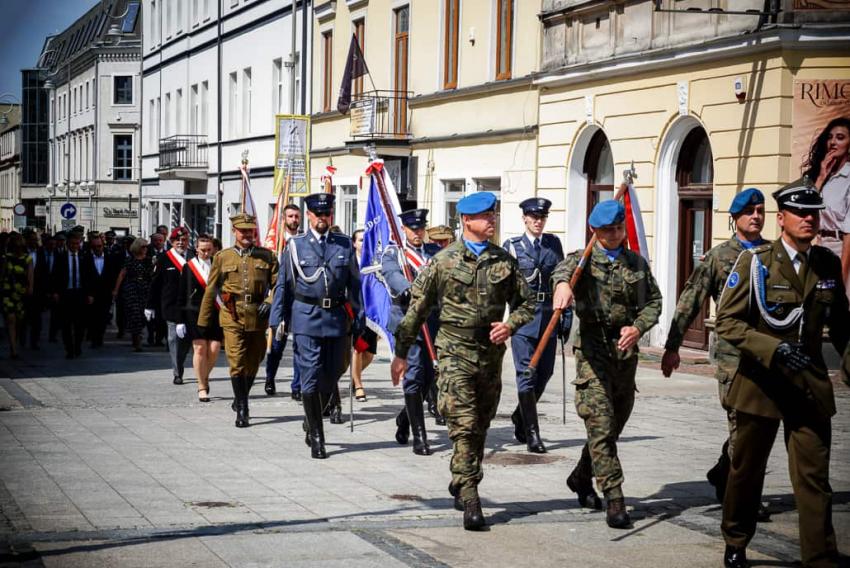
(608,296)
(708,279)
(472,293)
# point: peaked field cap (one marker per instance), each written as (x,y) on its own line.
(535,206)
(606,212)
(750,196)
(799,195)
(440,233)
(320,202)
(414,218)
(475,203)
(243,221)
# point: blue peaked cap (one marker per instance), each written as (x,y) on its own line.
(475,203)
(606,213)
(750,196)
(320,202)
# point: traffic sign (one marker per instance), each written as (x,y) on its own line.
(68,211)
(20,209)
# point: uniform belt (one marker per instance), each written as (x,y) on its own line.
(326,303)
(542,296)
(476,333)
(249,298)
(834,233)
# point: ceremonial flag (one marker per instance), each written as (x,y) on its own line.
(248,206)
(376,238)
(355,66)
(635,233)
(273,231)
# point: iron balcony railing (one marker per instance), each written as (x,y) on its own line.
(186,151)
(380,115)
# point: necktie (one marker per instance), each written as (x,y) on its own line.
(537,248)
(73,271)
(322,244)
(804,267)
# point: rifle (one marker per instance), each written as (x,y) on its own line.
(628,177)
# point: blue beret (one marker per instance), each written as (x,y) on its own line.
(606,212)
(414,218)
(320,202)
(475,203)
(750,196)
(535,206)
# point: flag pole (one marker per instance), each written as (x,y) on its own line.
(628,176)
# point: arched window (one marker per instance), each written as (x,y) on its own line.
(599,171)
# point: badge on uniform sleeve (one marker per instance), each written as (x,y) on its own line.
(826,284)
(734,278)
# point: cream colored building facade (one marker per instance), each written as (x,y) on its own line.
(463,131)
(701,104)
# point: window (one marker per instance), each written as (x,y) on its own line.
(122,163)
(205,87)
(231,104)
(400,59)
(327,70)
(206,10)
(452,193)
(154,23)
(178,112)
(194,110)
(129,22)
(450,45)
(122,93)
(277,86)
(504,38)
(360,34)
(158,118)
(87,95)
(168,21)
(494,186)
(196,16)
(179,11)
(246,100)
(152,123)
(166,121)
(599,170)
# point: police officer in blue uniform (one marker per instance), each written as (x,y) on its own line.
(318,299)
(420,370)
(537,254)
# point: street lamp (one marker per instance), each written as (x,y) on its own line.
(4,118)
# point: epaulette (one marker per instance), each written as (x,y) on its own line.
(761,248)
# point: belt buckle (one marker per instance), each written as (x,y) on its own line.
(541,297)
(248,299)
(326,303)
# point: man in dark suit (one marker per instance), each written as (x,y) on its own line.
(34,304)
(99,275)
(49,246)
(69,292)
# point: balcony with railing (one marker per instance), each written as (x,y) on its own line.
(382,117)
(183,156)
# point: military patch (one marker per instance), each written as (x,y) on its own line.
(734,278)
(828,284)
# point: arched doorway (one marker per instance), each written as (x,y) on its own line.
(695,181)
(598,170)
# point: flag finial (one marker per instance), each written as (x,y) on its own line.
(245,156)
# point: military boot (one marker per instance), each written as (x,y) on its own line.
(416,417)
(402,433)
(528,408)
(439,420)
(473,516)
(336,407)
(718,474)
(454,491)
(617,517)
(519,427)
(315,428)
(240,402)
(580,481)
(271,388)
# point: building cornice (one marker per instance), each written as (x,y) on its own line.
(325,12)
(486,89)
(771,38)
(524,132)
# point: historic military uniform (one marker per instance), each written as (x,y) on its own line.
(773,309)
(318,297)
(615,290)
(471,283)
(537,258)
(420,367)
(237,294)
(708,280)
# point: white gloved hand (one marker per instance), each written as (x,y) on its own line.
(181,330)
(149,315)
(279,332)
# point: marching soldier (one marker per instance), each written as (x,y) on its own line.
(471,281)
(420,368)
(773,309)
(537,254)
(237,294)
(708,279)
(318,300)
(441,235)
(617,302)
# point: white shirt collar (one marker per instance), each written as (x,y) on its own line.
(318,236)
(792,252)
(531,237)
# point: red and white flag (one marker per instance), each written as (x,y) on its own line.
(635,232)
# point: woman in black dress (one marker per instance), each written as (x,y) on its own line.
(133,284)
(206,345)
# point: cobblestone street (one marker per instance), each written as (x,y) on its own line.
(104,462)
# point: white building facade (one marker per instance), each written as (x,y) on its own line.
(10,165)
(215,75)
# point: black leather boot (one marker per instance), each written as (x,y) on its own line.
(271,388)
(240,401)
(439,420)
(455,493)
(416,417)
(528,408)
(402,433)
(734,557)
(519,427)
(247,383)
(718,474)
(617,517)
(580,482)
(315,430)
(336,407)
(473,516)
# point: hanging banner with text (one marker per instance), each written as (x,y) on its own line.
(816,104)
(292,153)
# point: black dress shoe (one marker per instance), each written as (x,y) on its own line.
(455,492)
(763,514)
(271,389)
(473,516)
(402,433)
(296,395)
(178,380)
(336,415)
(519,427)
(617,517)
(587,497)
(735,557)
